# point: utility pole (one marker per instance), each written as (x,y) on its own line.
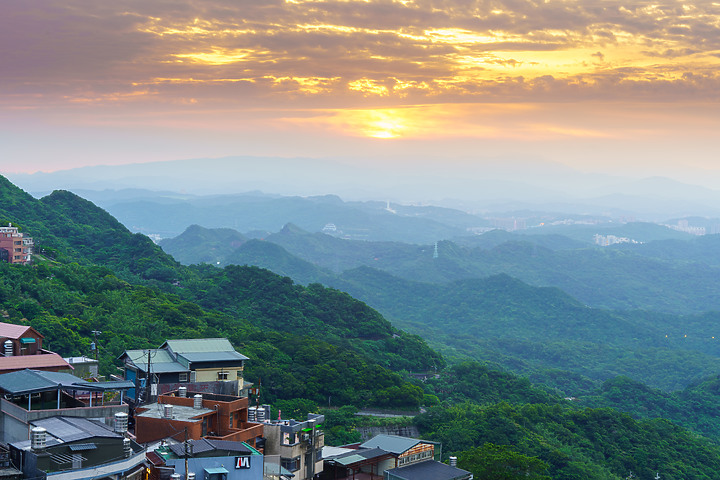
(187,474)
(147,382)
(95,334)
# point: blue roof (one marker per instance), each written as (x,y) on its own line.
(428,470)
(391,443)
(27,381)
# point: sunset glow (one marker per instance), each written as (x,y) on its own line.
(379,65)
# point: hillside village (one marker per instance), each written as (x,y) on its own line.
(179,411)
(117,361)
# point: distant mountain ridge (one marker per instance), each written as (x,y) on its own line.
(665,278)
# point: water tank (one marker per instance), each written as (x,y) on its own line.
(175,476)
(8,348)
(252,417)
(121,422)
(191,475)
(38,438)
(182,392)
(453,461)
(167,411)
(127,448)
(260,414)
(197,402)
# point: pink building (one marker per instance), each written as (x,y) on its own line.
(15,247)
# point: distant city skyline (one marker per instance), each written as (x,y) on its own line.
(629,88)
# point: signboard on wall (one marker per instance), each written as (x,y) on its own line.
(242,462)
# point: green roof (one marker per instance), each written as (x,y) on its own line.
(199,345)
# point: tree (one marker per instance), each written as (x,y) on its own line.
(500,462)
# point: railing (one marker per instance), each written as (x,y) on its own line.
(240,435)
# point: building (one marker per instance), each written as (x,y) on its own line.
(15,247)
(299,444)
(207,460)
(22,348)
(197,415)
(71,448)
(84,367)
(427,470)
(377,455)
(202,365)
(28,396)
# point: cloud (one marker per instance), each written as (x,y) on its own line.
(348,52)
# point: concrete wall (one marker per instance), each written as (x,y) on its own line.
(198,466)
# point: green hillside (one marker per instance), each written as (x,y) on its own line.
(310,344)
(65,296)
(614,278)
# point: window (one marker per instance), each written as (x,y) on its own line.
(223,375)
(291,464)
(183,377)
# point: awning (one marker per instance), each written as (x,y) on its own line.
(215,470)
(79,447)
(27,340)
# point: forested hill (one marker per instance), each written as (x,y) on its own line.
(657,276)
(69,228)
(309,345)
(66,226)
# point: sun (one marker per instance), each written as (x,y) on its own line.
(383,124)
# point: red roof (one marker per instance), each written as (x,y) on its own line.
(37,362)
(10,330)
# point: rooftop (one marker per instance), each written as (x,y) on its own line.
(69,429)
(10,330)
(27,381)
(44,359)
(429,470)
(357,456)
(196,345)
(391,443)
(179,412)
(160,361)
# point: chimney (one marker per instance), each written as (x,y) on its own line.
(197,402)
(38,438)
(182,392)
(121,422)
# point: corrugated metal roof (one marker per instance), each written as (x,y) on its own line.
(229,446)
(428,470)
(391,443)
(72,429)
(30,381)
(213,356)
(195,345)
(49,360)
(205,445)
(10,330)
(359,455)
(160,361)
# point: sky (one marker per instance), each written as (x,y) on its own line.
(631,87)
